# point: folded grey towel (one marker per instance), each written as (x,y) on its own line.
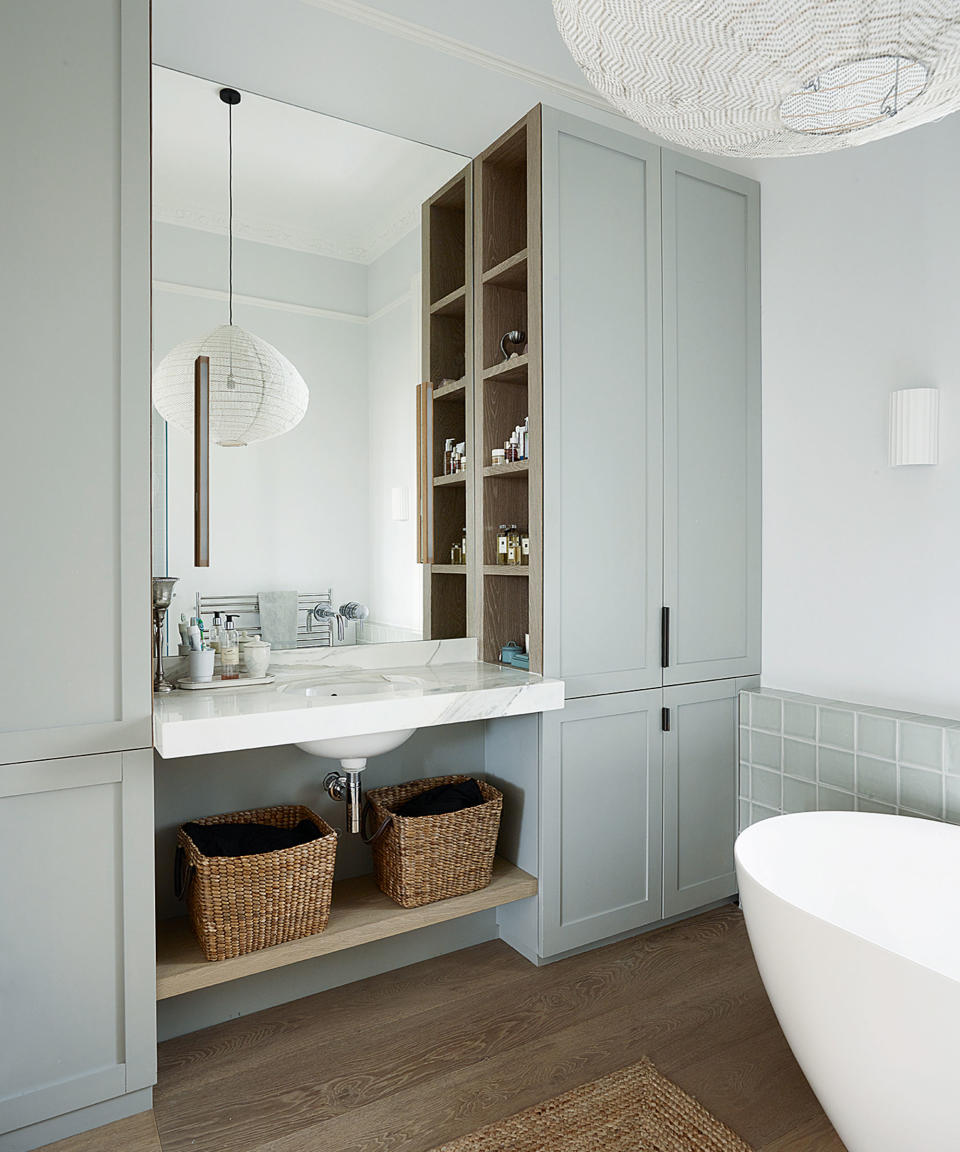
(278,618)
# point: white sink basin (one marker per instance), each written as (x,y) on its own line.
(351,750)
(357,686)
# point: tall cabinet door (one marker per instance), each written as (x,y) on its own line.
(75,432)
(77,986)
(699,795)
(601,407)
(601,819)
(711,389)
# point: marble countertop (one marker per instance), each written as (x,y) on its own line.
(445,689)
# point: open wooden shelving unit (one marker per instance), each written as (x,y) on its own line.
(360,913)
(449,600)
(482,278)
(507,286)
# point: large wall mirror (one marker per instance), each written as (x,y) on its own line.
(326,268)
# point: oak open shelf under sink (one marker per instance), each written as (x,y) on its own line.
(360,914)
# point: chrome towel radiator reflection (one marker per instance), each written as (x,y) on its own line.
(313,631)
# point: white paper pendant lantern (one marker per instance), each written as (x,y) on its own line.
(255,392)
(769,77)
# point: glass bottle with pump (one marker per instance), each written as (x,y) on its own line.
(448,456)
(230,651)
(502,544)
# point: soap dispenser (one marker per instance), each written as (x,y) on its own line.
(230,651)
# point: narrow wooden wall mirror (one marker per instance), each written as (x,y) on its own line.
(201,462)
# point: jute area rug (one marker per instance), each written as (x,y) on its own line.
(633,1110)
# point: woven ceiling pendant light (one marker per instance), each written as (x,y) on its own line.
(769,77)
(255,392)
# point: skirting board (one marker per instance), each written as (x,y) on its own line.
(541,961)
(73,1123)
(201,1009)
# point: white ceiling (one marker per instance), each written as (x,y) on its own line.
(301,179)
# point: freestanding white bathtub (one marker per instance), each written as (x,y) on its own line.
(854,920)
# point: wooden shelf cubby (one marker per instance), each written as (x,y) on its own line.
(507,287)
(448,365)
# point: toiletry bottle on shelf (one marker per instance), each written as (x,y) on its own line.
(448,456)
(513,545)
(461,456)
(455,554)
(215,631)
(525,547)
(463,546)
(229,651)
(502,544)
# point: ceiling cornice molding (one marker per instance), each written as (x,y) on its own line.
(428,38)
(258,302)
(261,233)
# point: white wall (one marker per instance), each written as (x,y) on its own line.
(393,363)
(311,509)
(289,512)
(861,296)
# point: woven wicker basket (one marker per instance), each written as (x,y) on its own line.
(240,904)
(420,859)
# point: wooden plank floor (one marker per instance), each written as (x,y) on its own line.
(405,1061)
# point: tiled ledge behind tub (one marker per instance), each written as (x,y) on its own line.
(802,754)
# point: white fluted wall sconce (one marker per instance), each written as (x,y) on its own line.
(914,426)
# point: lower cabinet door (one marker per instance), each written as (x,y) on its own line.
(699,795)
(601,819)
(77,983)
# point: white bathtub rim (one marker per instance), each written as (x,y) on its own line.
(912,949)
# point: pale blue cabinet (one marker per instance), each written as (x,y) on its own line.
(77,979)
(699,795)
(601,826)
(651,526)
(711,430)
(602,413)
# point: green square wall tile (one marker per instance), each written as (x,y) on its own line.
(758,813)
(799,758)
(799,720)
(953,799)
(836,768)
(765,750)
(877,736)
(951,750)
(830,800)
(865,805)
(765,712)
(877,779)
(799,796)
(744,815)
(836,728)
(921,791)
(765,787)
(921,745)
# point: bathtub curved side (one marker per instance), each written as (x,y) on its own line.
(875,1034)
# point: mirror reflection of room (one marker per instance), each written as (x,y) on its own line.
(324,267)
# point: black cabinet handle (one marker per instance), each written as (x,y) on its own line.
(665,719)
(664,637)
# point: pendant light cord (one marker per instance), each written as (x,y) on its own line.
(230,209)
